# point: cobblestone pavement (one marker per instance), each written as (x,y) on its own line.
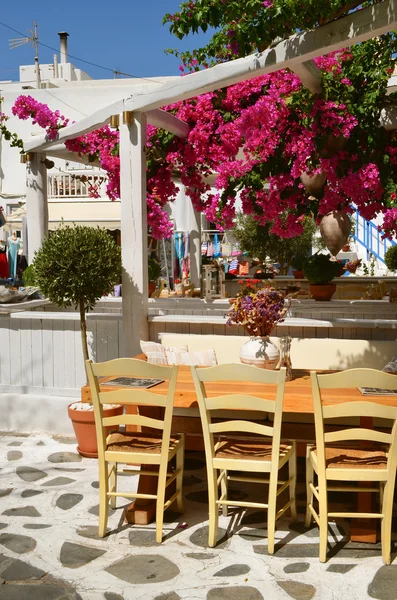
(49,549)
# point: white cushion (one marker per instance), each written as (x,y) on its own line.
(156,353)
(205,358)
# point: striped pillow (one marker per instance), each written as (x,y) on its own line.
(204,358)
(156,353)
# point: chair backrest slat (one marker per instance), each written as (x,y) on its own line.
(238,372)
(358,378)
(137,420)
(130,367)
(241,426)
(364,409)
(236,401)
(132,397)
(357,434)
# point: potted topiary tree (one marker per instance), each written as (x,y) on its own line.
(297,264)
(319,270)
(75,266)
(391,258)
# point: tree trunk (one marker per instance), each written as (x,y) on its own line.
(83,328)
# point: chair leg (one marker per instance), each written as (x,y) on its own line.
(180,462)
(113,484)
(213,508)
(323,517)
(387,510)
(224,493)
(309,480)
(103,498)
(160,501)
(271,513)
(292,485)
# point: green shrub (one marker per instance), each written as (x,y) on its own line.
(28,276)
(319,269)
(76,266)
(391,258)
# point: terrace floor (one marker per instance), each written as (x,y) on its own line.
(49,549)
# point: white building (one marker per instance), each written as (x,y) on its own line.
(76,95)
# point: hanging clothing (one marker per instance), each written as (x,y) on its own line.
(22,264)
(13,247)
(3,264)
(243,268)
(217,246)
(233,268)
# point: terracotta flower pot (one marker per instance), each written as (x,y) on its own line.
(335,230)
(83,422)
(322,292)
(298,274)
(151,287)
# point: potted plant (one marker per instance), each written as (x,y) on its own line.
(297,263)
(75,266)
(391,258)
(258,312)
(154,272)
(319,270)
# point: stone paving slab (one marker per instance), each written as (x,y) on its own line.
(50,550)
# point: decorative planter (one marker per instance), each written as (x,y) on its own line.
(322,292)
(83,422)
(260,352)
(298,274)
(335,230)
(151,287)
(313,183)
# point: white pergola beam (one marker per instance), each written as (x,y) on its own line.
(164,120)
(309,74)
(156,117)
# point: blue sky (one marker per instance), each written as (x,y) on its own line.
(126,35)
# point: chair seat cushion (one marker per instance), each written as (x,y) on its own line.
(354,457)
(136,442)
(247,448)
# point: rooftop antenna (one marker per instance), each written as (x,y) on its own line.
(34,40)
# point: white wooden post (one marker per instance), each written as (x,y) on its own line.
(134,233)
(195,248)
(36,203)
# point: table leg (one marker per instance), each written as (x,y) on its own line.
(365,530)
(141,511)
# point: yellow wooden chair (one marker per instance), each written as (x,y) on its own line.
(339,456)
(261,454)
(136,448)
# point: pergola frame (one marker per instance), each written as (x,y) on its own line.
(295,53)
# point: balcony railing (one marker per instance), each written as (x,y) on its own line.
(368,235)
(76,185)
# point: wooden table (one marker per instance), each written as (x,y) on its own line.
(297,400)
